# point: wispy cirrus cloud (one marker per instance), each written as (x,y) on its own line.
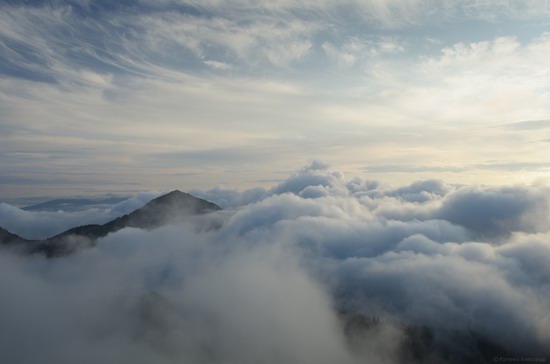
(298,80)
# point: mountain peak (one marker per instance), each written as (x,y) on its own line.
(174,195)
(169,208)
(176,203)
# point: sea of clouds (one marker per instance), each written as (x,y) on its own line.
(467,263)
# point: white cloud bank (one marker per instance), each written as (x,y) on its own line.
(468,263)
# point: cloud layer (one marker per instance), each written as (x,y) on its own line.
(469,264)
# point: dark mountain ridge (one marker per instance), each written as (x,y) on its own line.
(169,208)
(7,238)
(165,209)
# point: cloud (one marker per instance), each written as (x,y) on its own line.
(443,289)
(341,57)
(362,50)
(421,191)
(185,298)
(382,13)
(218,65)
(227,197)
(529,125)
(497,211)
(272,283)
(308,182)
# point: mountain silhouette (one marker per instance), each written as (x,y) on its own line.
(7,238)
(170,208)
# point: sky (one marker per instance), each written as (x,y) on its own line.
(387,158)
(127,96)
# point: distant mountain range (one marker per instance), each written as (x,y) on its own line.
(169,208)
(74,204)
